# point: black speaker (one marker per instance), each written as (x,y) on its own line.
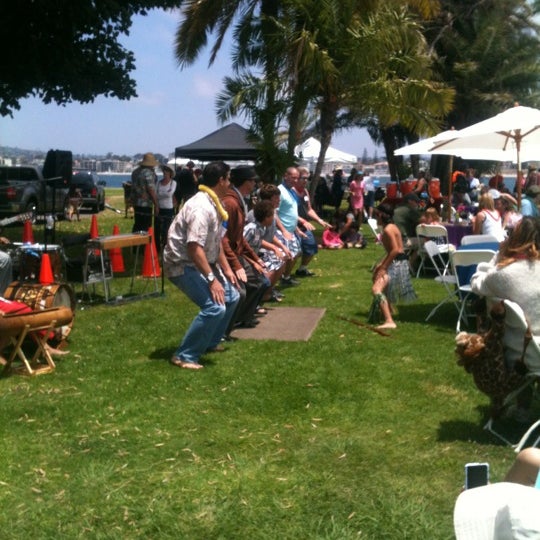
(59,167)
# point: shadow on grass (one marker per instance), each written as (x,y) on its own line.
(461,430)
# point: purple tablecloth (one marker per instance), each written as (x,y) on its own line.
(457,232)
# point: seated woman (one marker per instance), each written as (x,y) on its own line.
(391,276)
(507,206)
(515,276)
(488,220)
(517,264)
(506,509)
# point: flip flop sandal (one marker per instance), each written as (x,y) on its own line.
(178,362)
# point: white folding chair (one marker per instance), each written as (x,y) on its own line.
(374,226)
(464,263)
(448,281)
(516,325)
(478,239)
(436,233)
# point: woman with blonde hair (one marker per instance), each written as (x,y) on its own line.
(488,220)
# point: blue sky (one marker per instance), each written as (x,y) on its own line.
(173,107)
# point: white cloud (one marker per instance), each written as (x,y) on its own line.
(205,87)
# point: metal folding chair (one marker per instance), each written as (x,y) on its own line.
(447,280)
(464,263)
(436,233)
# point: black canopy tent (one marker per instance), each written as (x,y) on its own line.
(227,143)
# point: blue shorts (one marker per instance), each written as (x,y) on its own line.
(308,243)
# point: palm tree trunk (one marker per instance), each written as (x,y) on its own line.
(329,110)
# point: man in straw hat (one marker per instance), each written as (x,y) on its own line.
(143,193)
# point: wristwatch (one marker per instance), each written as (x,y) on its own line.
(210,277)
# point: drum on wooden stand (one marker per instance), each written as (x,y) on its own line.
(38,296)
(30,261)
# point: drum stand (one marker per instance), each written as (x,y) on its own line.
(32,366)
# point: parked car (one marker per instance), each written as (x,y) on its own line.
(91,188)
(23,189)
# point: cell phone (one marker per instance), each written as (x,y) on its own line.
(476,475)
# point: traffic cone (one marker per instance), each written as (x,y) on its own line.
(45,272)
(94,232)
(93,227)
(115,254)
(150,252)
(28,233)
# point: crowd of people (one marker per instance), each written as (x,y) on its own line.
(233,245)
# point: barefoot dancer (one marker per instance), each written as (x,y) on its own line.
(391,277)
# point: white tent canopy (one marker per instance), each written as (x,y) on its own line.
(310,150)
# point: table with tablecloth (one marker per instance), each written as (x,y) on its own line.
(456,231)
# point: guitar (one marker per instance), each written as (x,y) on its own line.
(19,217)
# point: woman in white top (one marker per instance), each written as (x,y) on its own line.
(165,189)
(488,220)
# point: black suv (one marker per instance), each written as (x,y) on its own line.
(91,188)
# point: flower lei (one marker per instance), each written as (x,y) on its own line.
(212,194)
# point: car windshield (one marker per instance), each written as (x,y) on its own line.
(82,178)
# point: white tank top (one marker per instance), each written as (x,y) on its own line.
(492,225)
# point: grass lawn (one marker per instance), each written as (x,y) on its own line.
(349,435)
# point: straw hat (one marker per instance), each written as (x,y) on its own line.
(167,168)
(149,160)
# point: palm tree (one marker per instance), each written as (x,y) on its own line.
(376,66)
(488,51)
(313,54)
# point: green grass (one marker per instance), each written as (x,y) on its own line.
(350,435)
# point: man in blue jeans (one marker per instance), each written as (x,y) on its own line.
(195,263)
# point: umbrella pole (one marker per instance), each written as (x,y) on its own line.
(450,166)
(518,179)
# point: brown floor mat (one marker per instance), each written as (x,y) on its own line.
(284,324)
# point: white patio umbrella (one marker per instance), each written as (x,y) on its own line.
(515,131)
(424,146)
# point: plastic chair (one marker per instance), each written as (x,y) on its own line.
(436,233)
(448,281)
(464,263)
(478,239)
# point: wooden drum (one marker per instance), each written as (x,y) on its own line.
(40,297)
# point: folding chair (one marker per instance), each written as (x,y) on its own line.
(448,281)
(526,346)
(436,233)
(464,263)
(478,239)
(374,226)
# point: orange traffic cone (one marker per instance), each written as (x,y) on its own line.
(94,232)
(115,254)
(150,254)
(28,233)
(93,227)
(45,272)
